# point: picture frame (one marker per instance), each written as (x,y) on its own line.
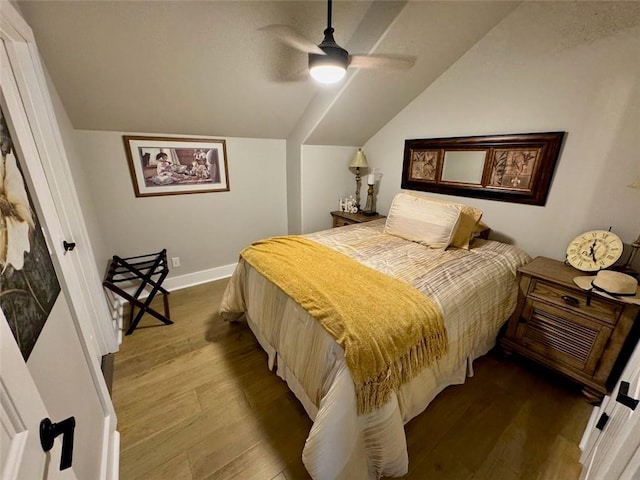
(29,285)
(175,166)
(512,167)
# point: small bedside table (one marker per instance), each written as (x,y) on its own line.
(561,326)
(340,219)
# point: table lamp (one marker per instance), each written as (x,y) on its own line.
(358,161)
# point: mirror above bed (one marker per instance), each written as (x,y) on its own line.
(510,168)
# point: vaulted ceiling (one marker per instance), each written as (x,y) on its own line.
(207,68)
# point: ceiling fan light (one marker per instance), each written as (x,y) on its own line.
(327,74)
(330,67)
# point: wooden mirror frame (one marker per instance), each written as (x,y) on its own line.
(517,167)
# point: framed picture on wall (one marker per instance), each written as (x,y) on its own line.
(174,166)
(29,285)
(424,165)
(510,168)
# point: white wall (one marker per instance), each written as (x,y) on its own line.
(298,222)
(325,178)
(206,230)
(569,66)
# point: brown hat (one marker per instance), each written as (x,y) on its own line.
(610,284)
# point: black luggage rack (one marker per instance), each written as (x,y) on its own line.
(140,269)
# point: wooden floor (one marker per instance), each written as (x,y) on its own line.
(195,400)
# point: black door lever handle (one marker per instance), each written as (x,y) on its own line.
(68,246)
(624,398)
(49,431)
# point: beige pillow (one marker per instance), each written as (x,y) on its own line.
(469,219)
(420,220)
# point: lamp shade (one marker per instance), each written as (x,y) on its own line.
(327,74)
(359,160)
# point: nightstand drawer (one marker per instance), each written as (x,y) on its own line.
(575,301)
(577,342)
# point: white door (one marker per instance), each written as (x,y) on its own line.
(612,439)
(21,411)
(60,355)
(82,278)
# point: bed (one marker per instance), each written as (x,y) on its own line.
(471,282)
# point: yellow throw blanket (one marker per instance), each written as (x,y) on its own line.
(389,330)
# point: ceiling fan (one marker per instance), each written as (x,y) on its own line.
(328,61)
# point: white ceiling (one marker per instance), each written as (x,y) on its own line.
(205,68)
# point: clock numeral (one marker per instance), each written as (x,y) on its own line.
(610,257)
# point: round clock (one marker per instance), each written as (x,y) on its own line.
(594,250)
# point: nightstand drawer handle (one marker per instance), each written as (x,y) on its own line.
(624,398)
(574,302)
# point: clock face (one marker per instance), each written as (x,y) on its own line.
(594,250)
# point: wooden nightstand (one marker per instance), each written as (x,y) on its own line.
(581,335)
(340,219)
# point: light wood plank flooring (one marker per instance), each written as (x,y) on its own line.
(195,400)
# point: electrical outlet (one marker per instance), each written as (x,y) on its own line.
(175,261)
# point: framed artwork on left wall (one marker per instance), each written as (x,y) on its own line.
(174,166)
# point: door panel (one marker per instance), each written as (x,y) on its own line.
(63,364)
(60,371)
(609,450)
(21,410)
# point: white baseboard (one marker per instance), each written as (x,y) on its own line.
(172,284)
(113,471)
(197,278)
(116,303)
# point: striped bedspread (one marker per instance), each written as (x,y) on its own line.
(388,335)
(416,264)
(475,290)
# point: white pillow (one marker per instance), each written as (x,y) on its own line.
(469,220)
(421,220)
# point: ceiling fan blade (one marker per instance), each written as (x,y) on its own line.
(292,38)
(398,62)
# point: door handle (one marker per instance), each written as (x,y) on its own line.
(604,418)
(68,246)
(49,431)
(624,398)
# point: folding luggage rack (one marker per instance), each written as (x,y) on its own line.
(140,269)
